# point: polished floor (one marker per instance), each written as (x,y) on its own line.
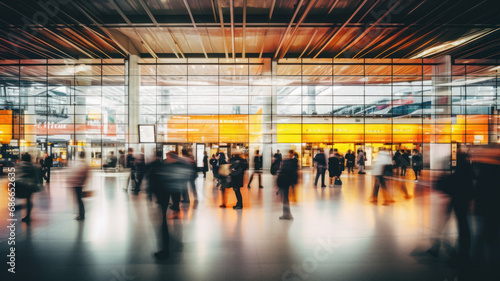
(336,234)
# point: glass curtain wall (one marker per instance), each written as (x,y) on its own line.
(63,106)
(216,102)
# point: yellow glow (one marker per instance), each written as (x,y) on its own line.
(317,129)
(289,129)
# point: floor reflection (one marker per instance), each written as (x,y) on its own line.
(336,234)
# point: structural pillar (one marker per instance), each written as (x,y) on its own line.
(440,153)
(134,76)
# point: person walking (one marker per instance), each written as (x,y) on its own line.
(416,163)
(47,165)
(166,179)
(205,164)
(214,165)
(405,161)
(382,168)
(188,157)
(27,182)
(320,161)
(121,160)
(129,164)
(139,169)
(459,187)
(238,167)
(335,167)
(397,161)
(257,165)
(276,164)
(221,179)
(180,171)
(350,161)
(287,177)
(77,180)
(361,161)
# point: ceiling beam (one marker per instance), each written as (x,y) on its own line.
(434,19)
(288,28)
(195,27)
(244,27)
(150,15)
(231,12)
(333,6)
(103,29)
(153,19)
(308,43)
(296,28)
(368,29)
(221,16)
(338,31)
(127,20)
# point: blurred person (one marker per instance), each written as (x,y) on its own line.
(257,165)
(335,167)
(405,161)
(350,160)
(382,168)
(130,158)
(222,158)
(167,179)
(188,157)
(287,177)
(320,161)
(77,179)
(416,163)
(27,182)
(296,157)
(223,175)
(276,164)
(458,186)
(47,165)
(487,211)
(238,167)
(121,161)
(278,156)
(330,167)
(139,170)
(397,161)
(221,180)
(129,164)
(214,163)
(111,161)
(361,158)
(205,164)
(183,168)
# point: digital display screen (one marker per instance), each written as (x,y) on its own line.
(147,134)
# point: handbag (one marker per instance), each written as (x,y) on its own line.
(338,182)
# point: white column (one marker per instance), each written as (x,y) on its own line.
(134,79)
(440,153)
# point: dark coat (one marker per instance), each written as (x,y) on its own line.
(335,165)
(238,167)
(416,162)
(257,162)
(350,159)
(288,174)
(205,163)
(320,159)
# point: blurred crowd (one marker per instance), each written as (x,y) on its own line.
(470,190)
